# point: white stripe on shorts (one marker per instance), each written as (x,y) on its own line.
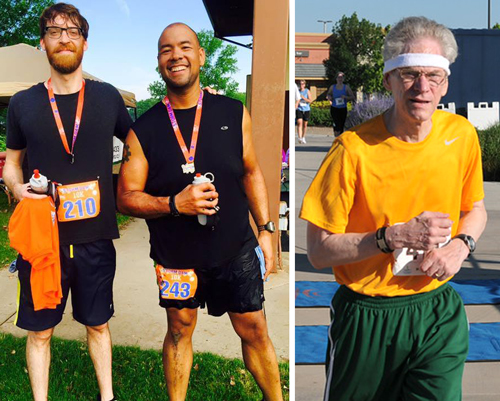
(329,374)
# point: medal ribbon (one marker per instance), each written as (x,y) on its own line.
(57,117)
(188,155)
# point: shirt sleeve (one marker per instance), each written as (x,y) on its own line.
(123,120)
(15,137)
(329,199)
(472,190)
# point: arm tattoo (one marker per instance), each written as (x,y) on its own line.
(126,153)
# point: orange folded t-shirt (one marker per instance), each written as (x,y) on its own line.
(33,232)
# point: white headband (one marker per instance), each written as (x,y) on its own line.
(417,60)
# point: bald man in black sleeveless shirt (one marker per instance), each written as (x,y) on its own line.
(204,249)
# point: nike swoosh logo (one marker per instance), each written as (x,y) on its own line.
(450,142)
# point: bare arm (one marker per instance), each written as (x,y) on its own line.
(350,95)
(308,97)
(133,201)
(13,175)
(329,94)
(326,249)
(256,191)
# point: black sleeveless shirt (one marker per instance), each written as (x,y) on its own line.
(181,242)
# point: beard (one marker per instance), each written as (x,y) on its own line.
(65,63)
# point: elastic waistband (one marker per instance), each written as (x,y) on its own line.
(391,302)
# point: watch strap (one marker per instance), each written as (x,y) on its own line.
(381,241)
(173,209)
(467,241)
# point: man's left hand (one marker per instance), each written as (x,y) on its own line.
(212,91)
(442,263)
(266,243)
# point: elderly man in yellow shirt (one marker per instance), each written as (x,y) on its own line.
(395,208)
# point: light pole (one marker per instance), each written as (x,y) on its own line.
(489,14)
(324,24)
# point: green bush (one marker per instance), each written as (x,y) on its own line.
(490,149)
(3,129)
(320,117)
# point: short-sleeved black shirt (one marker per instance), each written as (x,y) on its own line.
(181,242)
(31,125)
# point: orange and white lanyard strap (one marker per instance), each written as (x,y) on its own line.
(57,117)
(188,155)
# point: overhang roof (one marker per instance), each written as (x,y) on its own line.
(230,17)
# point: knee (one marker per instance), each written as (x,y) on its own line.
(253,332)
(97,330)
(180,326)
(40,338)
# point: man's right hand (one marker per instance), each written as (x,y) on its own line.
(197,199)
(424,232)
(22,191)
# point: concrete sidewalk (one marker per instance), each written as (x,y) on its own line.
(481,378)
(140,321)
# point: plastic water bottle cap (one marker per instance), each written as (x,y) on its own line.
(36,173)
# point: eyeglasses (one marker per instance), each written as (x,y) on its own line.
(55,32)
(435,78)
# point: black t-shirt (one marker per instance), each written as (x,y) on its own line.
(181,242)
(31,125)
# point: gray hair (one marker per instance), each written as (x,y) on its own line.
(411,28)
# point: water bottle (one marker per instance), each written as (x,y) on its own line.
(200,179)
(39,183)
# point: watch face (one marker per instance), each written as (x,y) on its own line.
(472,243)
(270,227)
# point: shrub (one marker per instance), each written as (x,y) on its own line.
(320,117)
(490,149)
(365,111)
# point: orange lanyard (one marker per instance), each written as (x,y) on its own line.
(59,123)
(188,155)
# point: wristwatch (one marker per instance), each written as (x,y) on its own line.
(269,226)
(468,240)
(173,209)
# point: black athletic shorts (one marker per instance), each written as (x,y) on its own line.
(88,271)
(302,115)
(236,286)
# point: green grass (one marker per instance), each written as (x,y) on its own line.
(137,375)
(123,220)
(7,254)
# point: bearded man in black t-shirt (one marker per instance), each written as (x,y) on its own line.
(195,199)
(74,147)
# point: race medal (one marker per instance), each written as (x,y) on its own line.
(176,284)
(188,168)
(79,201)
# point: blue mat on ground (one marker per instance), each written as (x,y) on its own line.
(316,294)
(310,343)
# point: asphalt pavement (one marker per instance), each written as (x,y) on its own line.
(481,378)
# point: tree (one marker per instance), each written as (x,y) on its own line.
(220,64)
(356,50)
(19,21)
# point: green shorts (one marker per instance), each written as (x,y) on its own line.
(410,348)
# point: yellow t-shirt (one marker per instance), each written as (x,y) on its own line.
(369,179)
